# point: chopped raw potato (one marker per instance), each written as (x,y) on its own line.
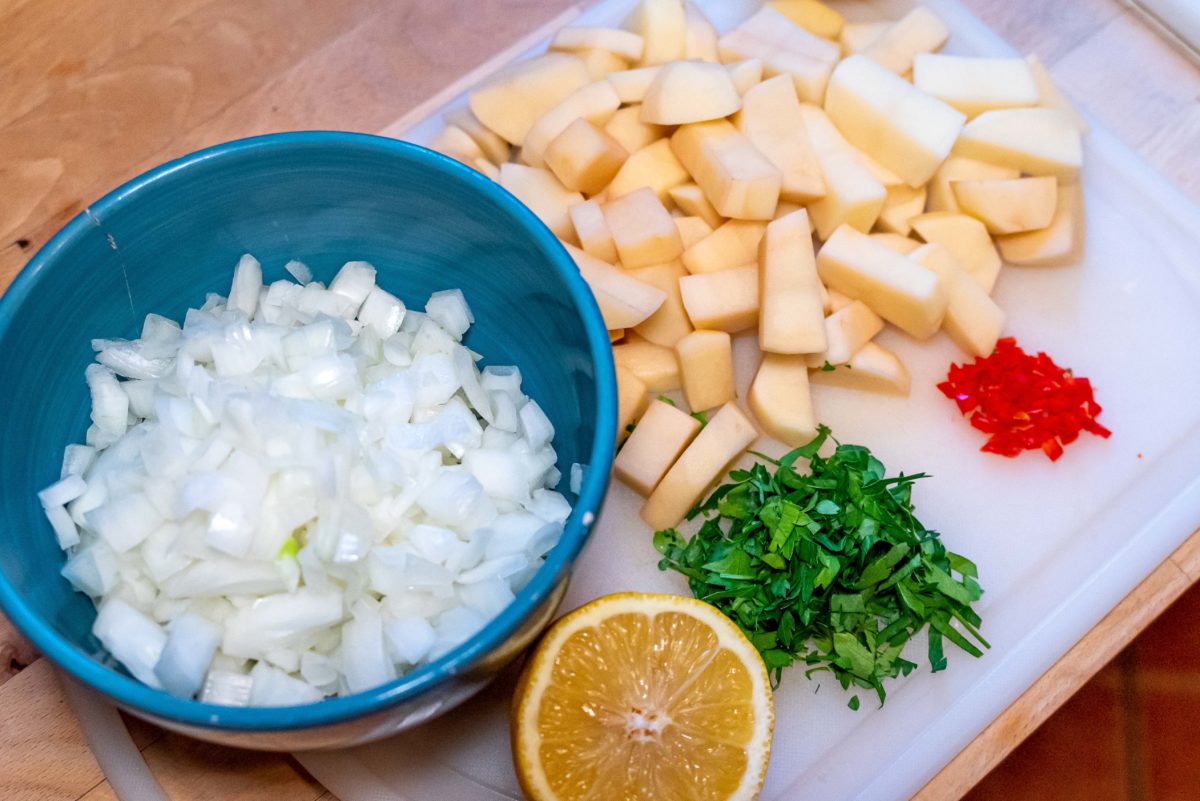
(852,194)
(771,119)
(961,168)
(654,166)
(594,236)
(655,366)
(631,85)
(785,49)
(1009,206)
(600,63)
(700,37)
(812,15)
(663,26)
(458,144)
(791,313)
(491,143)
(975,85)
(847,330)
(919,31)
(835,301)
(543,194)
(670,323)
(882,174)
(642,229)
(873,369)
(905,130)
(519,95)
(724,301)
(901,244)
(487,168)
(616,335)
(733,244)
(967,240)
(746,73)
(691,200)
(632,398)
(626,44)
(706,368)
(858,36)
(692,230)
(781,401)
(973,320)
(690,91)
(736,178)
(596,103)
(1050,96)
(624,301)
(630,132)
(584,157)
(1039,141)
(727,434)
(1059,243)
(656,442)
(901,205)
(897,289)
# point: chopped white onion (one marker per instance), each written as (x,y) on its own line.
(299,270)
(192,642)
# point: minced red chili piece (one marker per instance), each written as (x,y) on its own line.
(1023,402)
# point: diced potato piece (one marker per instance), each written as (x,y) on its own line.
(492,144)
(791,309)
(847,330)
(1009,206)
(727,434)
(487,168)
(594,236)
(655,444)
(771,119)
(631,85)
(975,85)
(781,401)
(642,229)
(901,244)
(882,174)
(785,49)
(724,301)
(706,368)
(852,194)
(456,143)
(1060,243)
(732,244)
(654,166)
(746,73)
(692,230)
(1050,96)
(700,37)
(835,301)
(690,91)
(663,26)
(858,36)
(918,31)
(973,320)
(961,168)
(905,130)
(670,323)
(1039,141)
(543,194)
(630,132)
(624,301)
(584,157)
(616,335)
(874,369)
(596,103)
(967,240)
(896,288)
(632,399)
(519,95)
(902,204)
(601,63)
(691,200)
(812,15)
(655,366)
(735,177)
(626,44)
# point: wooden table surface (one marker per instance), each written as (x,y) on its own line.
(93,92)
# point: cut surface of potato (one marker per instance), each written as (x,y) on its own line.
(724,301)
(624,301)
(785,49)
(905,130)
(592,231)
(973,320)
(700,37)
(896,288)
(791,316)
(961,168)
(626,44)
(706,368)
(918,31)
(631,85)
(456,143)
(631,133)
(670,323)
(1050,96)
(655,166)
(491,143)
(616,335)
(901,244)
(901,205)
(811,15)
(781,401)
(873,369)
(771,119)
(975,85)
(600,63)
(544,195)
(655,366)
(727,434)
(656,442)
(596,103)
(692,230)
(1060,243)
(852,194)
(642,229)
(690,91)
(967,240)
(520,94)
(1039,141)
(746,73)
(662,25)
(584,158)
(836,301)
(632,399)
(857,36)
(847,330)
(691,200)
(1009,206)
(732,244)
(736,178)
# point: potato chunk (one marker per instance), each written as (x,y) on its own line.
(847,330)
(771,119)
(544,195)
(662,25)
(632,398)
(853,195)
(596,102)
(1009,206)
(594,236)
(812,15)
(654,166)
(961,168)
(967,240)
(584,158)
(873,369)
(736,178)
(642,229)
(630,132)
(706,368)
(519,95)
(692,230)
(724,301)
(670,322)
(896,46)
(733,244)
(975,85)
(973,320)
(656,442)
(691,200)
(690,91)
(655,366)
(791,309)
(785,49)
(1061,242)
(1038,141)
(781,400)
(623,300)
(626,44)
(492,144)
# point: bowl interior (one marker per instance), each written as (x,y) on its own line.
(162,242)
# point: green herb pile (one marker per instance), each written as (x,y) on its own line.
(828,568)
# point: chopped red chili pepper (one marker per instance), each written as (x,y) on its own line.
(1023,402)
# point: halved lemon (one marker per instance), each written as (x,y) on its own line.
(639,696)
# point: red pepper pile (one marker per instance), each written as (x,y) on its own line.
(1023,402)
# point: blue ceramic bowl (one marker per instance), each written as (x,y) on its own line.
(162,241)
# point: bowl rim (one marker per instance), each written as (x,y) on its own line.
(158,703)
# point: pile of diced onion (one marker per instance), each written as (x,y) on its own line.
(303,491)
